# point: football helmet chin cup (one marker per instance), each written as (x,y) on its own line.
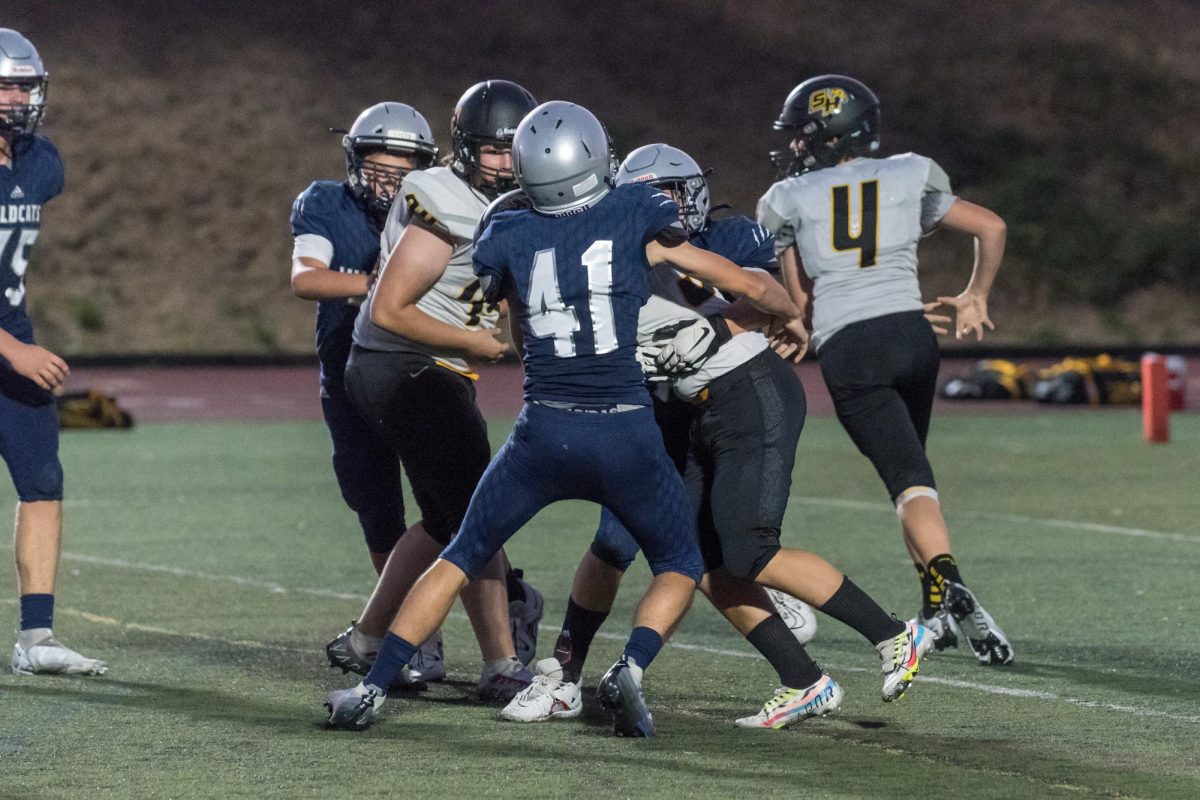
(394,128)
(21,65)
(833,117)
(667,167)
(562,158)
(487,114)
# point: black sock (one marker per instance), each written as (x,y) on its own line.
(855,607)
(512,580)
(779,646)
(943,568)
(931,592)
(578,629)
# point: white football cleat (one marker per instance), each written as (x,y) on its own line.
(354,709)
(942,626)
(797,615)
(428,664)
(42,654)
(524,617)
(790,706)
(990,645)
(503,681)
(901,658)
(548,697)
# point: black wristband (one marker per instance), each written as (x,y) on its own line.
(720,328)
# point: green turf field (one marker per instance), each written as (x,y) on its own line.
(209,563)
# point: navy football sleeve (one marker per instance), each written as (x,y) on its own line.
(755,246)
(307,215)
(488,262)
(662,218)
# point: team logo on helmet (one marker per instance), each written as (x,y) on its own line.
(827,102)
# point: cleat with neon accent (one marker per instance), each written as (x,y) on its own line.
(503,682)
(343,656)
(428,663)
(988,642)
(902,659)
(797,615)
(354,709)
(621,692)
(48,656)
(790,706)
(548,697)
(524,616)
(943,627)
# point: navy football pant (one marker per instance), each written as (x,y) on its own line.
(882,375)
(29,437)
(368,472)
(615,459)
(613,544)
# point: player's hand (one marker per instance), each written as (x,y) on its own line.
(788,338)
(939,322)
(678,350)
(40,366)
(971,315)
(485,346)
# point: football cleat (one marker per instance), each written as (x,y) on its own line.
(902,658)
(942,626)
(48,656)
(428,664)
(343,656)
(503,681)
(524,616)
(990,644)
(548,697)
(621,692)
(797,615)
(354,709)
(790,706)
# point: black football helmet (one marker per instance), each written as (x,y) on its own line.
(833,117)
(487,114)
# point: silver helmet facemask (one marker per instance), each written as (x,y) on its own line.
(394,128)
(666,167)
(562,158)
(21,67)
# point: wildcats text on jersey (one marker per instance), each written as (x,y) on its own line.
(24,214)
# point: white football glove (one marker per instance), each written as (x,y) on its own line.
(678,350)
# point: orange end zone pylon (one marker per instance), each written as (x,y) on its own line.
(1155,409)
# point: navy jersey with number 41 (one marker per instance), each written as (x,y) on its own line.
(576,283)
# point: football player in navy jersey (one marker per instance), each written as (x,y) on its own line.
(574,272)
(734,434)
(31,174)
(336,225)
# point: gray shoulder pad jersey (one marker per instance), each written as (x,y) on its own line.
(856,226)
(447,204)
(668,305)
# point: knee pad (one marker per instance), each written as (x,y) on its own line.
(748,552)
(613,544)
(913,492)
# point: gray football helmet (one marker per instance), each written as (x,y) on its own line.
(395,128)
(666,167)
(21,66)
(562,158)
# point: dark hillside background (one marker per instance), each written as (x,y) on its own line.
(187,130)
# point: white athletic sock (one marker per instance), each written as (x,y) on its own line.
(31,636)
(363,644)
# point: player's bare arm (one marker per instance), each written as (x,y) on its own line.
(312,279)
(757,287)
(33,362)
(989,231)
(414,267)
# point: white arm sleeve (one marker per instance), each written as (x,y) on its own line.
(310,245)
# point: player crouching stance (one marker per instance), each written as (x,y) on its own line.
(31,174)
(574,271)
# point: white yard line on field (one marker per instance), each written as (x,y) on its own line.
(707,650)
(1063,524)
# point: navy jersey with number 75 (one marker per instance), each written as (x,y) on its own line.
(576,283)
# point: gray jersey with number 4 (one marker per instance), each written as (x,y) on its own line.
(448,205)
(856,226)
